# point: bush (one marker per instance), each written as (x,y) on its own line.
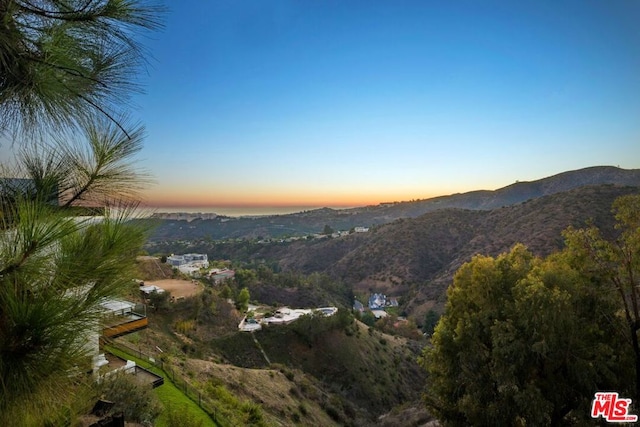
(184,326)
(136,401)
(302,409)
(160,300)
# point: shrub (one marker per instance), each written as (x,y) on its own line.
(136,401)
(184,326)
(302,409)
(289,375)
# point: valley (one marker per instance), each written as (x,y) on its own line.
(346,369)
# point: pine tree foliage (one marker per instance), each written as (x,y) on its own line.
(97,168)
(64,61)
(67,70)
(56,268)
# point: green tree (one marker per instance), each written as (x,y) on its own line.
(327,230)
(523,341)
(62,62)
(65,69)
(265,273)
(136,401)
(430,322)
(616,266)
(160,300)
(226,291)
(245,277)
(368,318)
(242,302)
(55,268)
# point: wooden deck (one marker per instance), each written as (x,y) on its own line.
(123,325)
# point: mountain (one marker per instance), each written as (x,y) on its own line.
(345,373)
(313,221)
(417,257)
(518,192)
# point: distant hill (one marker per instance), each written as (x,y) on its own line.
(519,192)
(415,258)
(308,222)
(414,248)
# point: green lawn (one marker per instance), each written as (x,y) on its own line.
(170,396)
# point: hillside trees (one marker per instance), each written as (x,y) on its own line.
(245,277)
(64,65)
(615,265)
(242,302)
(524,341)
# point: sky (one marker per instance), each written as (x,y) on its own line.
(350,103)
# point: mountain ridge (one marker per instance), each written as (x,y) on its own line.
(309,222)
(415,258)
(521,191)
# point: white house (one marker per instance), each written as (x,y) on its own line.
(189,263)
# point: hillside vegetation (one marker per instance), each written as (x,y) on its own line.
(415,258)
(337,370)
(315,371)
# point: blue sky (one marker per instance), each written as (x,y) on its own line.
(346,103)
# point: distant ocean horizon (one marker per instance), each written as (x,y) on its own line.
(239,210)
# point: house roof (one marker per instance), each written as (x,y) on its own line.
(112,306)
(151,288)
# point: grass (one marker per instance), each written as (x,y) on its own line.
(170,396)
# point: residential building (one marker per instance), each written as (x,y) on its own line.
(187,259)
(189,263)
(377,301)
(220,275)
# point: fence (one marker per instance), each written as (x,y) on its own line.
(177,379)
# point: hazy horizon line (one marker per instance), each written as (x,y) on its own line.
(240,210)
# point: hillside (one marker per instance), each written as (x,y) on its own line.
(308,222)
(336,371)
(316,371)
(415,258)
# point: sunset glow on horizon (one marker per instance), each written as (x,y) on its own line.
(195,199)
(285,103)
